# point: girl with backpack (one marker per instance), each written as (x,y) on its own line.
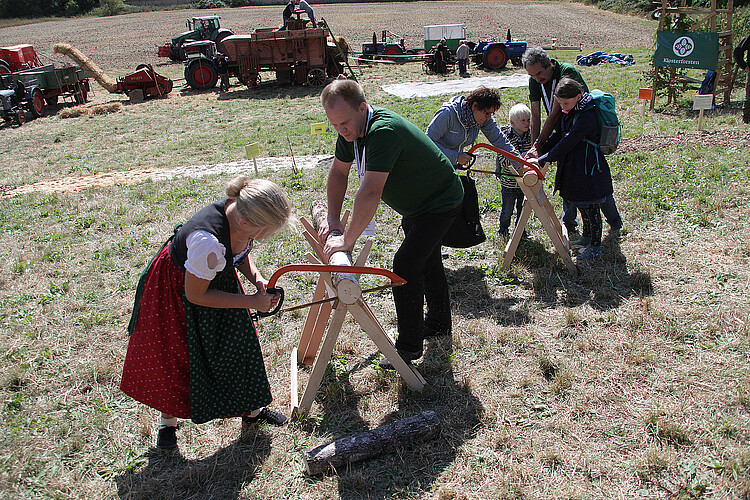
(583,177)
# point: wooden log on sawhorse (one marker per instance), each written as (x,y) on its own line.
(316,343)
(368,444)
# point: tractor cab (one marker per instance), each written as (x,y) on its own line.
(205,26)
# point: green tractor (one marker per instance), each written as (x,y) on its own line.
(200,28)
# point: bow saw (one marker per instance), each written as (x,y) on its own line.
(510,156)
(396,280)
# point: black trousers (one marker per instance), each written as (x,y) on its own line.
(419,261)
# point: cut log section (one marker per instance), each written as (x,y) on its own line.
(368,444)
(346,284)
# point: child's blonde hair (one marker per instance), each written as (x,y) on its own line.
(260,202)
(518,111)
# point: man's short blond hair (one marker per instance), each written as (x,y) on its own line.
(520,110)
(348,90)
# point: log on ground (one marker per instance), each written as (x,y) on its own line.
(368,444)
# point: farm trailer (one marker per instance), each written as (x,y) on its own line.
(297,54)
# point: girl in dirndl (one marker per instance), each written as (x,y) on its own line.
(193,350)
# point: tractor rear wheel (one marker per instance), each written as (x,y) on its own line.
(392,51)
(38,105)
(201,75)
(495,57)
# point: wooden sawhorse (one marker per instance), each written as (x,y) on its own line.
(534,199)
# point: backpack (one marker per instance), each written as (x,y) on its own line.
(609,124)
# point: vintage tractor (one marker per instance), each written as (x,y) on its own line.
(390,48)
(19,97)
(298,54)
(494,55)
(200,28)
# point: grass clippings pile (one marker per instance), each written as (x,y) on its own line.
(96,109)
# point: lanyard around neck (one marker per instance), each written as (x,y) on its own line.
(547,99)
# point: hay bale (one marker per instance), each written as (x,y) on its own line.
(73,112)
(76,55)
(105,109)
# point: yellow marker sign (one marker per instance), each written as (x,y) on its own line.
(253,150)
(317,128)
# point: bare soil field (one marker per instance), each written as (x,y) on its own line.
(120,43)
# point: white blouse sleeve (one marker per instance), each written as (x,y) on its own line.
(200,246)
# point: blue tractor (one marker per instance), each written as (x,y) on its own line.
(494,55)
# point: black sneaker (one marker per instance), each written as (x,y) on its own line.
(407,356)
(266,415)
(167,439)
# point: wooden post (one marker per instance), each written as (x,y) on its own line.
(368,444)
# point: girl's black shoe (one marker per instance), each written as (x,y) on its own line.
(167,439)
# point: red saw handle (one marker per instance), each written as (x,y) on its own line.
(326,268)
(510,156)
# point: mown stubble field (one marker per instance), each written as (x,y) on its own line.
(631,380)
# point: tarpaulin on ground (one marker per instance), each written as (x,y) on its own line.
(602,57)
(427,89)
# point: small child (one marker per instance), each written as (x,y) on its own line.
(518,135)
(583,175)
(193,350)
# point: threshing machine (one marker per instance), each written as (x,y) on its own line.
(298,54)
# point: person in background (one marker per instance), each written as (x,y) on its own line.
(742,58)
(518,135)
(458,122)
(306,7)
(286,15)
(544,75)
(193,350)
(405,169)
(441,57)
(583,175)
(462,54)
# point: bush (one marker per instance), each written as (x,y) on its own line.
(110,8)
(208,4)
(239,3)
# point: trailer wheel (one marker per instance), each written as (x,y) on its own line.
(201,75)
(495,57)
(81,95)
(316,77)
(51,100)
(38,105)
(4,68)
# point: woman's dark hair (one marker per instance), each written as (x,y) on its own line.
(567,88)
(484,97)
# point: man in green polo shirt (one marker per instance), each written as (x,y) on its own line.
(399,164)
(544,73)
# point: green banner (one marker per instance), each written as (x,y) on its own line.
(684,49)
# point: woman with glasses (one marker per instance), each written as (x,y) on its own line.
(457,123)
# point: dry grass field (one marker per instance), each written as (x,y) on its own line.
(631,380)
